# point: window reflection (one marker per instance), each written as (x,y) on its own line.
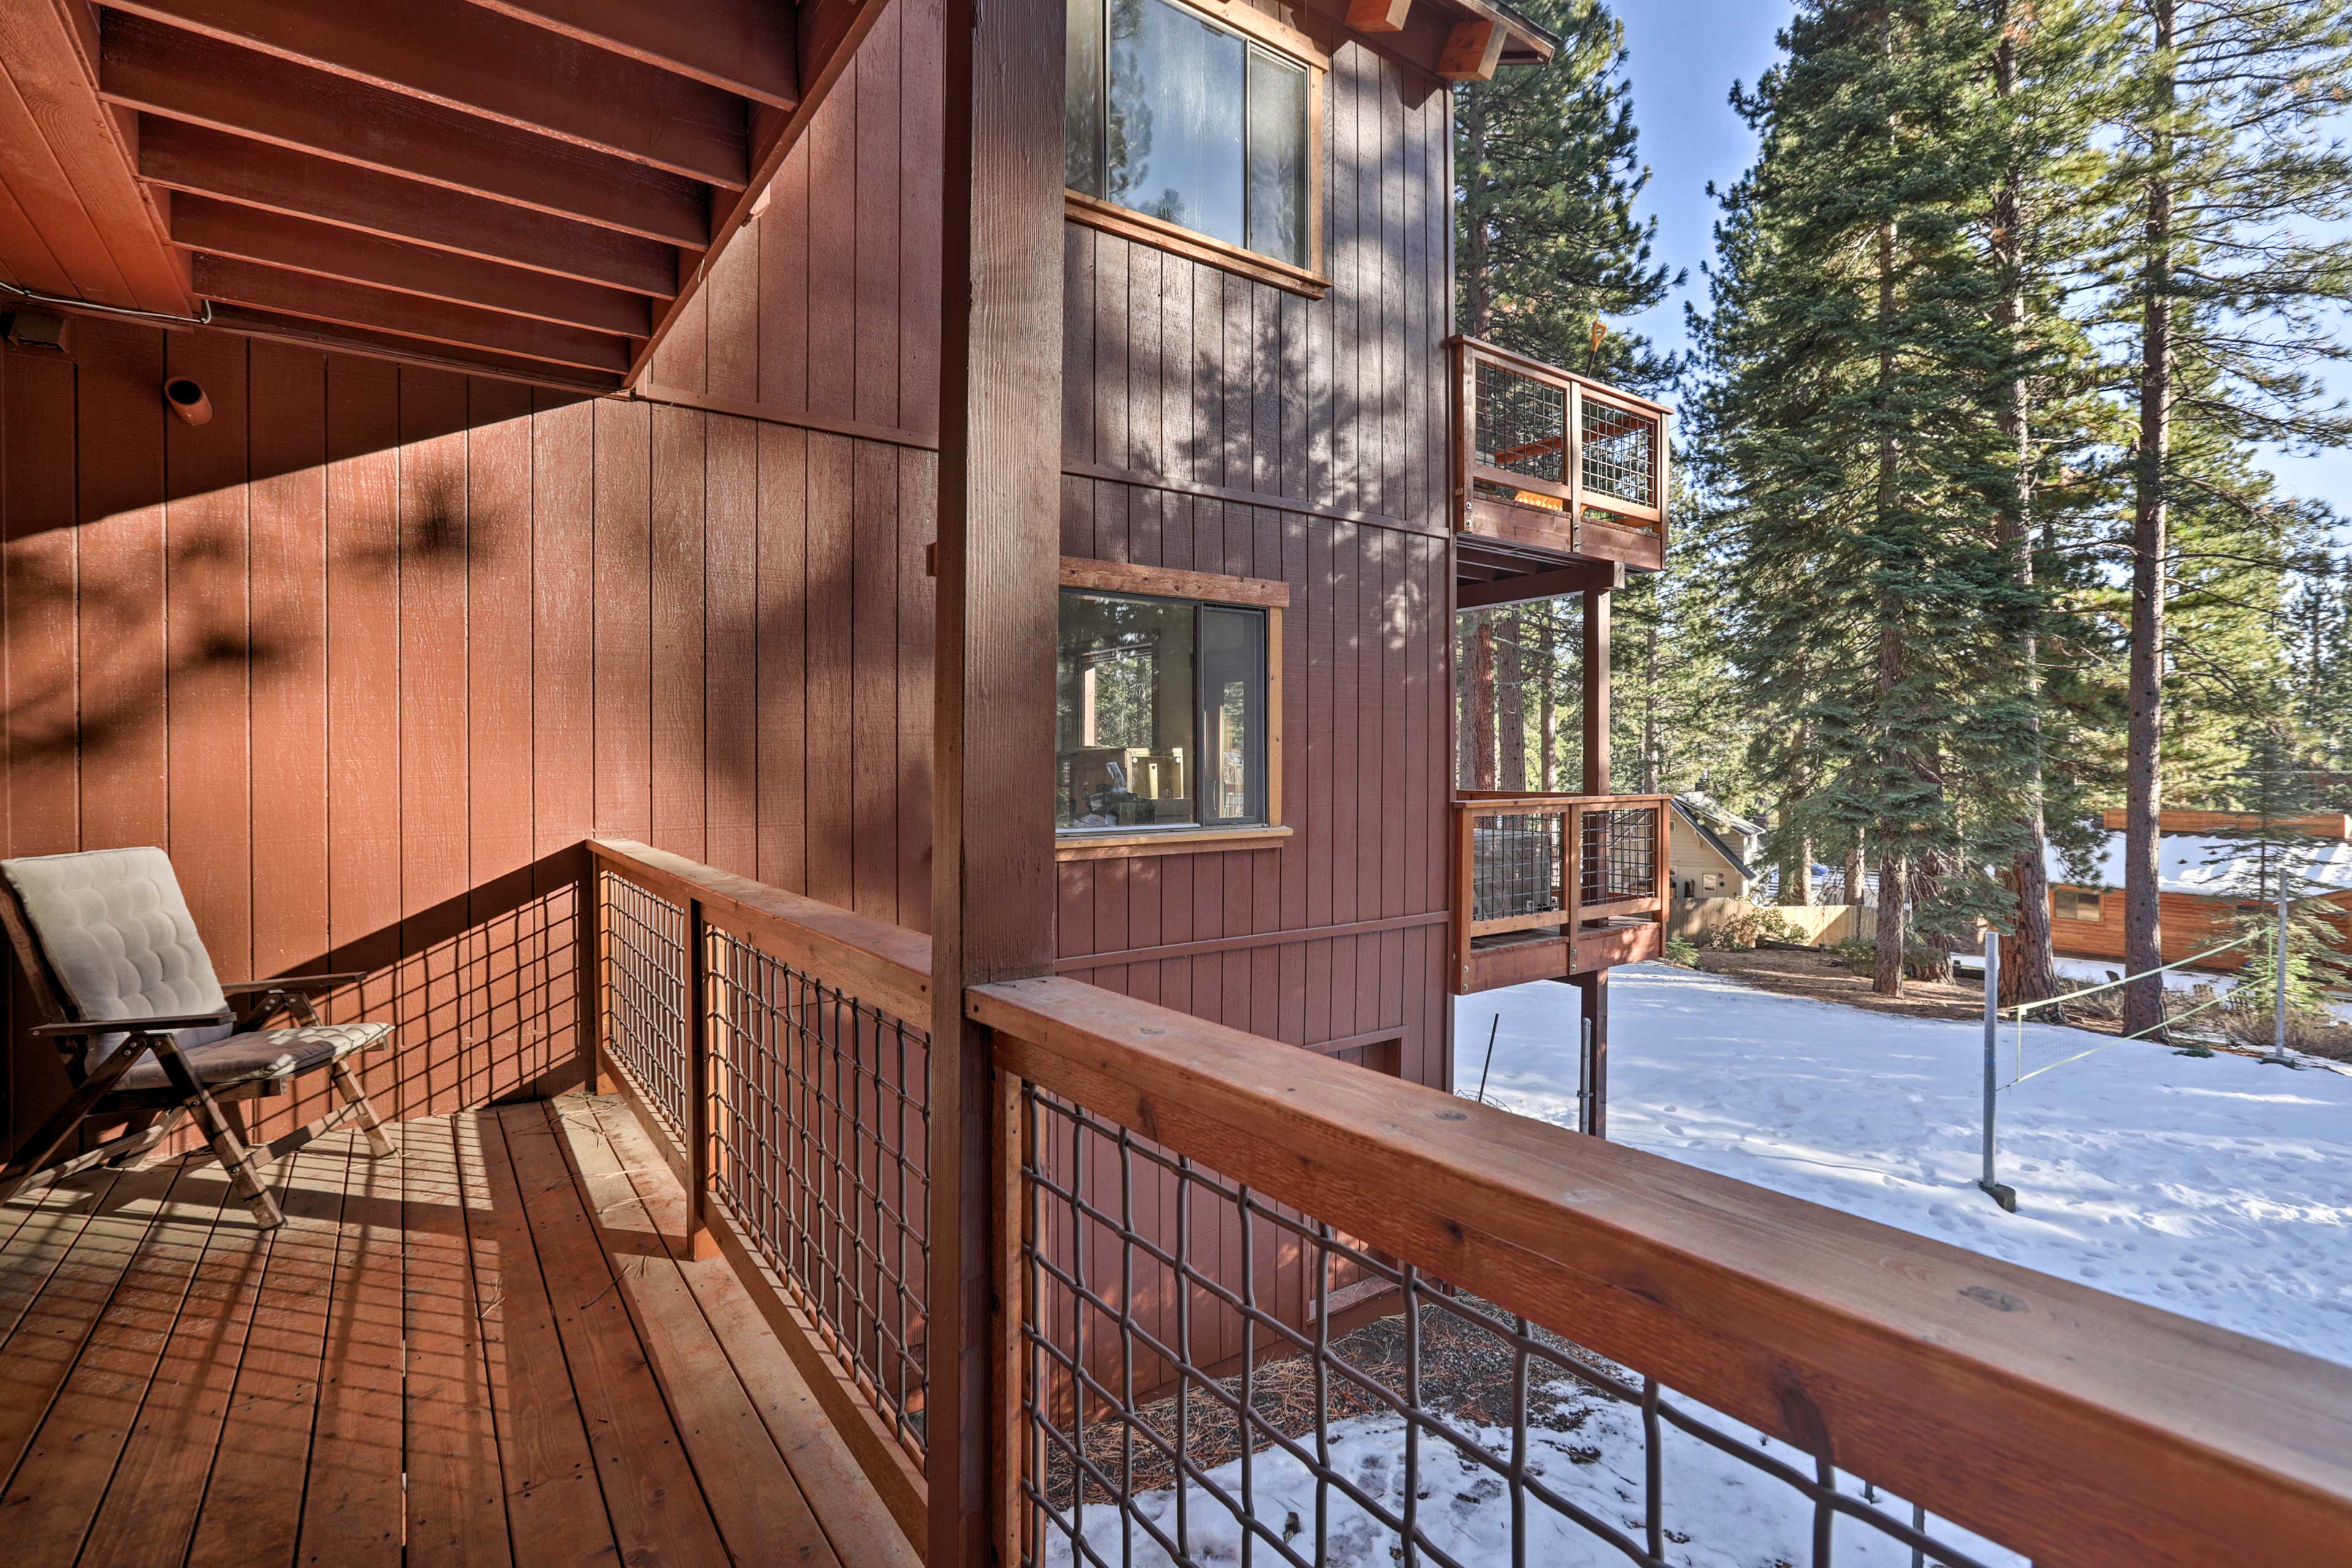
(1183,119)
(1160,714)
(1126,683)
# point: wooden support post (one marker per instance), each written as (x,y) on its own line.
(1595,985)
(1597,767)
(588,961)
(1573,465)
(1465,865)
(993,788)
(1572,874)
(698,1242)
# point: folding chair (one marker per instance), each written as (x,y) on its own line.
(147,1029)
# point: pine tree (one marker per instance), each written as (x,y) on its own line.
(1548,240)
(1682,721)
(2229,182)
(2052,69)
(2319,653)
(1846,428)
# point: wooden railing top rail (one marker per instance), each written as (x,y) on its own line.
(884,965)
(2074,1425)
(1552,373)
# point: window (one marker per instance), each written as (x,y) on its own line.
(1162,717)
(1195,121)
(2073,904)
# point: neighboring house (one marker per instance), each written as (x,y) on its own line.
(2210,875)
(1710,851)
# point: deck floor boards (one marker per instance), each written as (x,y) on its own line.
(488,1318)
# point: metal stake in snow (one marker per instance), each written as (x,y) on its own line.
(1490,1058)
(2005,1196)
(2278,1056)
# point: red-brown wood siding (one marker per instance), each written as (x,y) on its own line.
(374,650)
(2191,924)
(1219,424)
(1210,423)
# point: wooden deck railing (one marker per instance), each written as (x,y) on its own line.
(777,1050)
(1317,1256)
(1525,863)
(1541,451)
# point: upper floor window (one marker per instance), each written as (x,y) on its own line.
(1192,121)
(1161,714)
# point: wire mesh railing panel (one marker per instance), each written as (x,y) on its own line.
(1209,1376)
(1522,424)
(646,968)
(1619,450)
(821,1125)
(1514,864)
(1619,857)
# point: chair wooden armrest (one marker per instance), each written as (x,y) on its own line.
(297,982)
(163,1024)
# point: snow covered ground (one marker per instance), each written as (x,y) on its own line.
(2211,1186)
(2214,1187)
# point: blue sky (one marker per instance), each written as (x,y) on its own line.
(1685,54)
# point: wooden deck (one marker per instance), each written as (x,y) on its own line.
(474,1352)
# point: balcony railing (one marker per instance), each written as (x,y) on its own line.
(1554,885)
(1260,1305)
(1548,457)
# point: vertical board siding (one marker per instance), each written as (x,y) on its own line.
(374,649)
(1178,372)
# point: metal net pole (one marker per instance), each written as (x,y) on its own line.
(2278,1008)
(2006,1197)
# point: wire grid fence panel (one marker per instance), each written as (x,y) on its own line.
(1619,453)
(1514,864)
(1619,854)
(645,974)
(1522,424)
(822,1120)
(1210,1377)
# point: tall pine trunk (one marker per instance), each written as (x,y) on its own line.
(1795,845)
(2027,968)
(1886,978)
(1857,883)
(1482,707)
(1547,701)
(1886,975)
(1511,704)
(2143,919)
(1653,741)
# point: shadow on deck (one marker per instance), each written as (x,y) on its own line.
(478,1352)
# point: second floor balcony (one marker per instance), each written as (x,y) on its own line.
(1552,885)
(1549,461)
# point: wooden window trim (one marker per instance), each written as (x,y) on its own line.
(1208,588)
(1310,280)
(1094,212)
(1169,583)
(1084,845)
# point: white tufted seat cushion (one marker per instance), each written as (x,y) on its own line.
(119,938)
